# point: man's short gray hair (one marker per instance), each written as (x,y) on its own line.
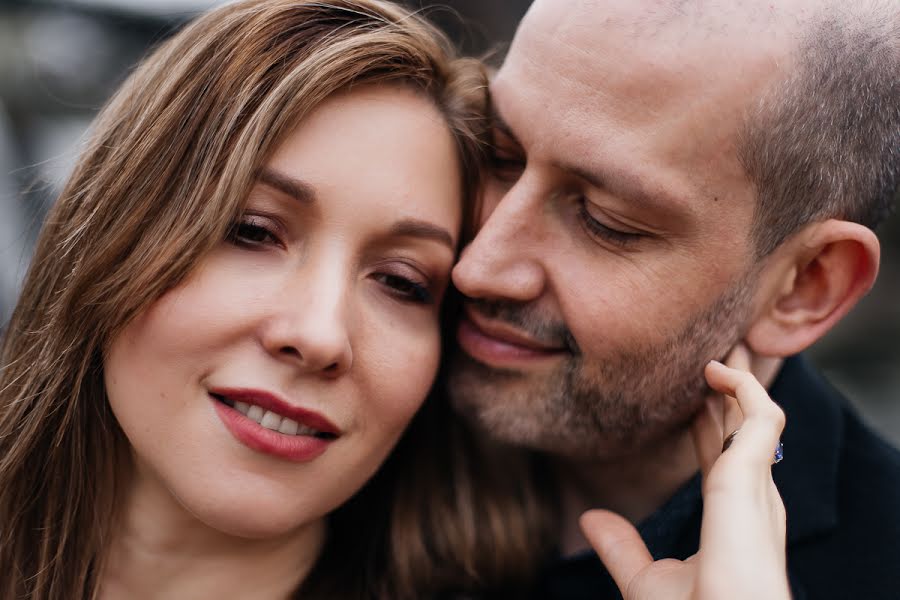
(825,142)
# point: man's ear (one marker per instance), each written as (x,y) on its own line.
(810,283)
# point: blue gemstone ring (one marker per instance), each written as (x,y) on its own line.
(779,454)
(779,449)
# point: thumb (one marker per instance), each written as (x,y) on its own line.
(618,544)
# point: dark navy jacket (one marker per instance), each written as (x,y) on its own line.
(841,488)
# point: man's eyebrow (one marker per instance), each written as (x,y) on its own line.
(422,229)
(630,188)
(295,188)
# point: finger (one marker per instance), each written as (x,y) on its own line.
(752,398)
(739,358)
(733,416)
(763,419)
(618,544)
(706,432)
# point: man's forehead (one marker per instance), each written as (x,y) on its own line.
(591,59)
(650,18)
(580,87)
(672,34)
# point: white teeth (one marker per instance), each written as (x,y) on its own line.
(271,421)
(256,413)
(288,427)
(304,430)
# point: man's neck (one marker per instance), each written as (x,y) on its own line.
(634,486)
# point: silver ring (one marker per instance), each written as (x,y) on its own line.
(728,440)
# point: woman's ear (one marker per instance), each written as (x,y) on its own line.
(815,279)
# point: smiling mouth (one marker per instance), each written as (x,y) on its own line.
(273,421)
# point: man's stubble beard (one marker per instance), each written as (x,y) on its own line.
(605,409)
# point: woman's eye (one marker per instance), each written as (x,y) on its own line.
(506,166)
(251,233)
(406,289)
(506,158)
(603,231)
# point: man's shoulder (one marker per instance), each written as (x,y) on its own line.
(868,491)
(868,459)
(868,497)
(840,482)
(830,437)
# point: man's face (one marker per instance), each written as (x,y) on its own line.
(614,258)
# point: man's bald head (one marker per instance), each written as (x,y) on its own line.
(820,134)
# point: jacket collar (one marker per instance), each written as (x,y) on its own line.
(812,438)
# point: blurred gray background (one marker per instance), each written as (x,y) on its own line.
(60,60)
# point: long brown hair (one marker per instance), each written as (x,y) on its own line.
(164,175)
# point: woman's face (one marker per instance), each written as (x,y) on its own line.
(264,390)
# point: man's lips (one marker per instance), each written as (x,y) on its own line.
(497,343)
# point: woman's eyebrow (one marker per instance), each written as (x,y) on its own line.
(304,192)
(295,188)
(423,229)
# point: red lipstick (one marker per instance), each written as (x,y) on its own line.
(299,448)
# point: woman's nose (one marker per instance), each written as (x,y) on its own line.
(308,326)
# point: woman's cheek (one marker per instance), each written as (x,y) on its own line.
(406,366)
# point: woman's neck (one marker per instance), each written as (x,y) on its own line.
(159,550)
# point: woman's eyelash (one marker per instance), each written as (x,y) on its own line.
(596,228)
(406,289)
(250,232)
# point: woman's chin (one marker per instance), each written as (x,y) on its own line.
(254,524)
(256,516)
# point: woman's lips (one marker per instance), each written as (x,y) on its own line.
(273,403)
(498,344)
(265,423)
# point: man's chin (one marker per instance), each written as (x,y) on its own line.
(506,426)
(509,408)
(495,401)
(561,413)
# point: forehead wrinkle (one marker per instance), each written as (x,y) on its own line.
(568,142)
(556,99)
(594,73)
(639,20)
(599,168)
(563,84)
(570,135)
(599,78)
(730,30)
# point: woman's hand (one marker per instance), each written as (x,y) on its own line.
(742,540)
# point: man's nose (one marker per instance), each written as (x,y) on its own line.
(308,326)
(504,259)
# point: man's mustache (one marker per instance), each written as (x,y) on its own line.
(526,318)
